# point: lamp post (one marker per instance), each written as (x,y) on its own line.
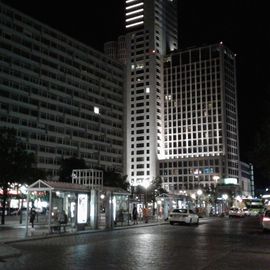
(145,184)
(216,178)
(224,199)
(199,193)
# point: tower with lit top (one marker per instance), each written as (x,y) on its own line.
(151,27)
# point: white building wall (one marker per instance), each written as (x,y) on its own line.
(149,37)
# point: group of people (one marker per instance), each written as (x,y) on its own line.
(61,219)
(135,214)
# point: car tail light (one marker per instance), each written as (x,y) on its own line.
(266,218)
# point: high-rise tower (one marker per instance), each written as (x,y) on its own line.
(151,33)
(200,118)
(181,110)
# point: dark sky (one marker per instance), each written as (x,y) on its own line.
(242,25)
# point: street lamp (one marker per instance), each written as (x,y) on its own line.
(216,178)
(225,196)
(145,184)
(199,193)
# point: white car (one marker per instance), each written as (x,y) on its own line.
(179,215)
(236,212)
(265,219)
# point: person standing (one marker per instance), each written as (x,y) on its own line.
(32,216)
(145,214)
(63,218)
(135,214)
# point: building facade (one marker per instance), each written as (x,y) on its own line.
(117,49)
(151,33)
(200,118)
(177,117)
(181,111)
(64,98)
(247,179)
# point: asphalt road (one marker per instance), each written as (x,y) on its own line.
(217,243)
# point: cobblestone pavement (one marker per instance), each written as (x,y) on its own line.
(71,251)
(216,244)
(14,231)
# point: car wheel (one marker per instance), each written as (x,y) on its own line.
(171,222)
(197,223)
(190,221)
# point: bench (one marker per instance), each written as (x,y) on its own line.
(57,227)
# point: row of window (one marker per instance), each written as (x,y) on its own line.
(48,58)
(140,173)
(188,66)
(191,142)
(200,81)
(69,137)
(188,179)
(209,73)
(187,186)
(49,37)
(203,151)
(197,55)
(71,90)
(189,163)
(56,160)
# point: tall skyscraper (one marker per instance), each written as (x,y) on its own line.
(181,114)
(200,116)
(151,33)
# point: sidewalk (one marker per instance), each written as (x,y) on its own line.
(12,232)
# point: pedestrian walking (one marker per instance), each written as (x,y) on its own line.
(32,216)
(135,214)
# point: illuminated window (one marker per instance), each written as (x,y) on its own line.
(96,110)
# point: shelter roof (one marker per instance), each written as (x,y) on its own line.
(115,190)
(41,185)
(56,185)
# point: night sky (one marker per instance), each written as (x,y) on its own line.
(242,25)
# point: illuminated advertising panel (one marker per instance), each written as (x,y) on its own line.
(232,181)
(82,208)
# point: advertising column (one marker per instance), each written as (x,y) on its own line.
(109,210)
(82,211)
(94,207)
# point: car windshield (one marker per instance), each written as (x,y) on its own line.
(180,211)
